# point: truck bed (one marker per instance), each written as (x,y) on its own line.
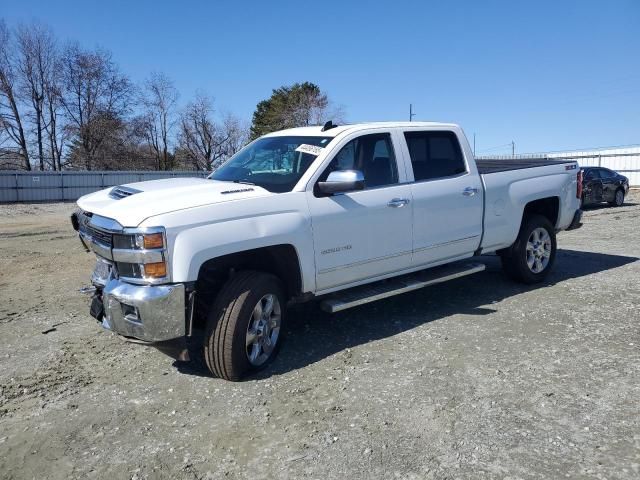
(494,165)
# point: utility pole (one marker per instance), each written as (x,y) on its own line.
(411,114)
(474,144)
(513,148)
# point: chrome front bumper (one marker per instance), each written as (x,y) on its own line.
(149,313)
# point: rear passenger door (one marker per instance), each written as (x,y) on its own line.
(447,195)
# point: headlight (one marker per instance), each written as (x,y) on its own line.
(141,255)
(150,240)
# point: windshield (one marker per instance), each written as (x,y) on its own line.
(273,163)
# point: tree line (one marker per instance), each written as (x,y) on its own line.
(68,107)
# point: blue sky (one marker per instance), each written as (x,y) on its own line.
(549,75)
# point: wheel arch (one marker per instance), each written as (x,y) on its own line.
(548,207)
(280,260)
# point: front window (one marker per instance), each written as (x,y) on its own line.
(273,163)
(592,175)
(371,154)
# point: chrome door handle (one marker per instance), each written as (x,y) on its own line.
(398,202)
(469,191)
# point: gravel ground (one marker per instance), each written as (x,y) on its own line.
(475,378)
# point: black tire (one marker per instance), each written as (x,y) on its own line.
(618,198)
(514,258)
(225,341)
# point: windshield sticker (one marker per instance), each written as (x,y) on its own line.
(310,149)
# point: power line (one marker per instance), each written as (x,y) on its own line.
(496,147)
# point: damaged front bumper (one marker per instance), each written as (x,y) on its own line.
(149,313)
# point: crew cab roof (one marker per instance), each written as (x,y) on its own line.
(335,131)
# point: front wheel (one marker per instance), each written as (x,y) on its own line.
(530,258)
(244,327)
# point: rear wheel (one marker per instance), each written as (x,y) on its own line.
(532,255)
(618,198)
(244,327)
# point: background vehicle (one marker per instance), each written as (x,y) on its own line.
(603,185)
(351,214)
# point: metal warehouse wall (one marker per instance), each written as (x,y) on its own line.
(59,186)
(625,160)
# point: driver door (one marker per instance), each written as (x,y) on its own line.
(362,234)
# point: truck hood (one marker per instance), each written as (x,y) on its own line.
(132,203)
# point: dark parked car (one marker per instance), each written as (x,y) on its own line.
(603,185)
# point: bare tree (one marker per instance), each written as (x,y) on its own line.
(11,118)
(159,102)
(95,98)
(201,140)
(237,133)
(54,110)
(36,62)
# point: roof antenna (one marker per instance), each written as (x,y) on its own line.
(328,126)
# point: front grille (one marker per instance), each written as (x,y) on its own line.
(105,238)
(100,236)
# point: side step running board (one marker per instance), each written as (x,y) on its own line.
(395,286)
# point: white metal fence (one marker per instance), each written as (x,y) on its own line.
(21,186)
(625,160)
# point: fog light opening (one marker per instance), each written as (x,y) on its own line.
(130,313)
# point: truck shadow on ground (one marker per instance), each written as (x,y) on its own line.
(312,335)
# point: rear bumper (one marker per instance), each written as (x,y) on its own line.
(577,220)
(149,313)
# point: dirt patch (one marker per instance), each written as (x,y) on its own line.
(475,378)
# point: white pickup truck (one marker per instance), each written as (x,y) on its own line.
(343,214)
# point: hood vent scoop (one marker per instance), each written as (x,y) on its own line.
(122,192)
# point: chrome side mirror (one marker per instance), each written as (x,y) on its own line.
(342,181)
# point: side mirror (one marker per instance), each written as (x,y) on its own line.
(342,181)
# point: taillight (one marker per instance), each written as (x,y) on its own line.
(579,187)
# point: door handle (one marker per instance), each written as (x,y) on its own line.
(398,202)
(469,191)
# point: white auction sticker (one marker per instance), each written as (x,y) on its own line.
(310,149)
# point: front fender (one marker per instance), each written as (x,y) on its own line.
(204,233)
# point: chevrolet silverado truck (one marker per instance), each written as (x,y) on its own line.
(342,214)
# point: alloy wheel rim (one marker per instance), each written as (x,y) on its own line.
(538,250)
(263,330)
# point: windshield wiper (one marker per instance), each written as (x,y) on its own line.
(244,182)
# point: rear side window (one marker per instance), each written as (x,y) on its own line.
(434,154)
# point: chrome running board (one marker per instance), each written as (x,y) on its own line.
(356,296)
